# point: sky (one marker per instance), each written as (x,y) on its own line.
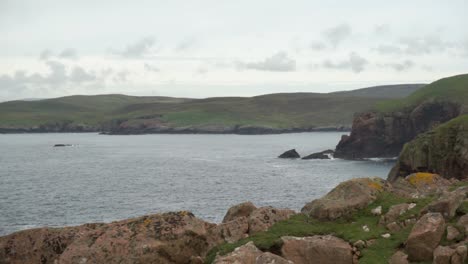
(206,48)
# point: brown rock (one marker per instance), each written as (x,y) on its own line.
(234,230)
(264,217)
(399,258)
(317,249)
(452,233)
(269,258)
(393,227)
(460,255)
(246,254)
(447,204)
(442,255)
(394,213)
(344,199)
(425,236)
(240,210)
(463,221)
(174,237)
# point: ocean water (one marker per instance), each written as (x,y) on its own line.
(105,178)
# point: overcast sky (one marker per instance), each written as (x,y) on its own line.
(223,48)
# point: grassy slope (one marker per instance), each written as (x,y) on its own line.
(275,110)
(453,88)
(347,229)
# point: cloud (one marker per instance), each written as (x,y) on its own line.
(338,34)
(138,49)
(399,67)
(45,54)
(68,54)
(186,44)
(151,68)
(317,45)
(382,29)
(415,46)
(354,62)
(79,75)
(279,62)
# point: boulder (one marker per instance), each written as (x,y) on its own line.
(399,258)
(240,210)
(234,230)
(419,185)
(463,221)
(425,237)
(326,154)
(290,154)
(452,233)
(161,238)
(442,255)
(317,249)
(447,204)
(460,255)
(264,217)
(344,199)
(246,254)
(269,258)
(394,213)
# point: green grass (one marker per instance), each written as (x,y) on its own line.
(349,229)
(447,89)
(288,110)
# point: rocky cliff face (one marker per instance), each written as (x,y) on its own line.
(443,151)
(376,134)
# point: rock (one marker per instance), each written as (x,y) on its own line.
(264,217)
(393,227)
(317,249)
(443,150)
(326,154)
(452,233)
(394,213)
(377,134)
(63,145)
(234,230)
(290,154)
(447,204)
(463,221)
(386,235)
(344,199)
(442,255)
(240,210)
(246,254)
(419,185)
(365,228)
(162,238)
(399,258)
(460,255)
(377,210)
(269,258)
(359,244)
(425,236)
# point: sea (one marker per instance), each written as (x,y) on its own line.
(104,178)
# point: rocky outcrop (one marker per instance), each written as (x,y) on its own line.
(290,154)
(240,210)
(326,154)
(377,134)
(162,238)
(317,249)
(344,199)
(425,237)
(264,217)
(443,151)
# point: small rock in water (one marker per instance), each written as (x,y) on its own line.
(377,210)
(290,154)
(62,145)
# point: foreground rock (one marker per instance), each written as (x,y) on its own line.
(162,238)
(376,134)
(317,249)
(240,210)
(326,154)
(249,254)
(425,237)
(443,151)
(290,154)
(344,199)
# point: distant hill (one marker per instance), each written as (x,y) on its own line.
(131,114)
(454,89)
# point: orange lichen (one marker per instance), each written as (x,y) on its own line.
(147,222)
(421,178)
(375,185)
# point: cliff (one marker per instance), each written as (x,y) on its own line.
(383,131)
(443,150)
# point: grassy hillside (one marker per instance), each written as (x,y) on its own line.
(453,88)
(287,110)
